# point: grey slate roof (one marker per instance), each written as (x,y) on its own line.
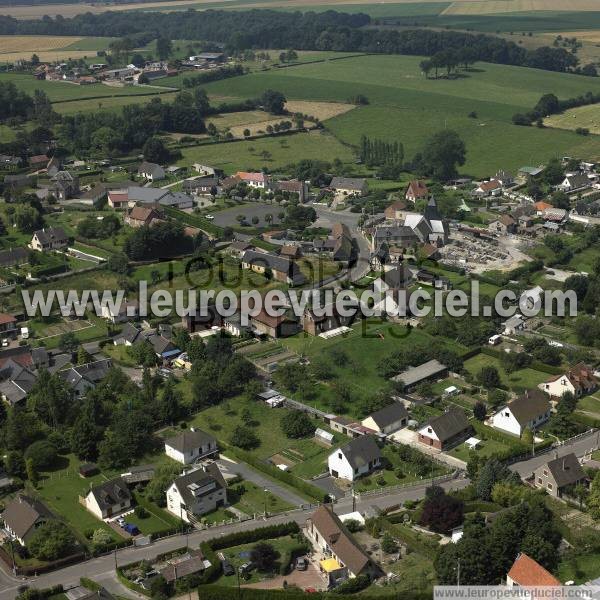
(111,492)
(424,371)
(450,424)
(145,194)
(361,451)
(566,470)
(201,476)
(12,257)
(274,262)
(348,183)
(22,512)
(389,414)
(189,440)
(50,234)
(399,277)
(530,405)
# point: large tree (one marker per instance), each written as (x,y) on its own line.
(443,153)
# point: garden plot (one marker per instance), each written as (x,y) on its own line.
(64,327)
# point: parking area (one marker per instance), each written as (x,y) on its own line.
(309,579)
(229,216)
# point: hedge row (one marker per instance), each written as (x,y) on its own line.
(254,535)
(290,555)
(225,593)
(309,490)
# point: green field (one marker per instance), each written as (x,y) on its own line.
(517,381)
(60,91)
(108,104)
(234,156)
(90,43)
(405,106)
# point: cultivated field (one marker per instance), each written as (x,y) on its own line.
(587,117)
(48,47)
(484,7)
(405,106)
(34,43)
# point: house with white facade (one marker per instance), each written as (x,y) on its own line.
(579,380)
(23,516)
(529,411)
(358,457)
(190,446)
(197,493)
(108,499)
(388,419)
(340,557)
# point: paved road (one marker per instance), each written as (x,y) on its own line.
(580,446)
(327,217)
(102,568)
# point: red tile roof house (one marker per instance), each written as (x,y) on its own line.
(118,199)
(579,380)
(527,572)
(417,190)
(258,180)
(8,324)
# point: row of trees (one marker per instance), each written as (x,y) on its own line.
(379,153)
(329,30)
(450,60)
(549,104)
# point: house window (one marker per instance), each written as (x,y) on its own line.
(545,473)
(539,480)
(340,455)
(549,486)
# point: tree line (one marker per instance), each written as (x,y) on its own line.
(379,153)
(549,104)
(330,30)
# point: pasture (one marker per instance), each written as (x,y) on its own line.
(405,106)
(272,152)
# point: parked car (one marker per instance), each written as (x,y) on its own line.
(131,529)
(227,568)
(210,217)
(246,568)
(301,563)
(121,522)
(165,373)
(5,342)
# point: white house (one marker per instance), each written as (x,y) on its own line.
(388,419)
(256,180)
(120,313)
(23,516)
(529,411)
(196,493)
(151,171)
(513,324)
(108,499)
(579,380)
(190,446)
(358,457)
(574,181)
(52,238)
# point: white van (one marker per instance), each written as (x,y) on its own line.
(495,340)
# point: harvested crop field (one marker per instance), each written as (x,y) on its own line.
(583,117)
(34,43)
(488,7)
(321,110)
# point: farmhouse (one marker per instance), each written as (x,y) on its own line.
(503,225)
(505,178)
(528,411)
(23,516)
(540,207)
(191,446)
(82,378)
(151,171)
(16,381)
(272,326)
(395,211)
(348,186)
(140,216)
(202,186)
(255,180)
(389,285)
(446,430)
(118,199)
(526,572)
(108,499)
(488,188)
(8,325)
(559,475)
(579,380)
(64,185)
(574,182)
(196,493)
(293,186)
(342,557)
(388,419)
(417,190)
(343,247)
(358,457)
(123,312)
(46,240)
(428,371)
(280,268)
(315,322)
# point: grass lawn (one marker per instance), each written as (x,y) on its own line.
(387,477)
(485,449)
(363,348)
(119,355)
(250,499)
(518,380)
(158,519)
(584,261)
(405,106)
(306,457)
(580,569)
(60,490)
(270,152)
(112,104)
(590,404)
(238,555)
(415,572)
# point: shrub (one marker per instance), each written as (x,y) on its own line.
(141,512)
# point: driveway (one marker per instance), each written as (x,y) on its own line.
(311,578)
(329,486)
(261,480)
